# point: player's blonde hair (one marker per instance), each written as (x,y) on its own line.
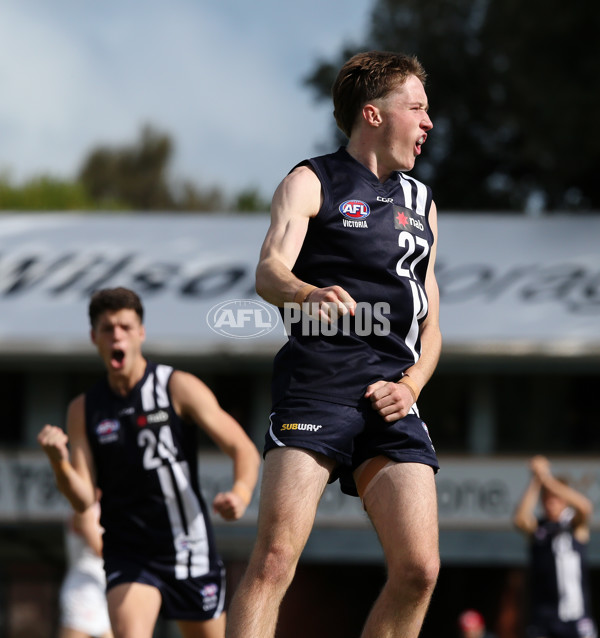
(366,77)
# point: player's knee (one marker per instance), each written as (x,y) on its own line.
(416,575)
(276,564)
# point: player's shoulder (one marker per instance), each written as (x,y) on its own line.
(76,412)
(189,394)
(300,176)
(77,404)
(298,195)
(312,168)
(182,382)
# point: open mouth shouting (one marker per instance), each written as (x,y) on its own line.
(419,143)
(117,358)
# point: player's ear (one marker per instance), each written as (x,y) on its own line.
(93,335)
(143,332)
(372,115)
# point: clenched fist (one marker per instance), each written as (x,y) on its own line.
(54,443)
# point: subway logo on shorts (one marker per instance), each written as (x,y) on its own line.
(309,427)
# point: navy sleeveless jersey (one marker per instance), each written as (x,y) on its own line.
(559,572)
(146,466)
(374,240)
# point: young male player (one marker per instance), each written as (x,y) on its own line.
(133,436)
(351,231)
(560,595)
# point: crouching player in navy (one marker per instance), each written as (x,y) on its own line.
(351,232)
(559,568)
(133,436)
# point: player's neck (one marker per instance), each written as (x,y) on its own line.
(363,151)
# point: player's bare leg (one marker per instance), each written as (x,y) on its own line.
(292,485)
(133,609)
(401,502)
(69,632)
(214,628)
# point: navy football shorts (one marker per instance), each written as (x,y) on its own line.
(349,435)
(193,598)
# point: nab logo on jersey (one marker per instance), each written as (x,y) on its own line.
(355,209)
(155,417)
(407,219)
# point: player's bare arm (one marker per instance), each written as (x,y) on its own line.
(74,470)
(391,399)
(296,200)
(194,401)
(524,517)
(88,525)
(581,505)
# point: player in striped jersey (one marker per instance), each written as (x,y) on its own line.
(560,596)
(352,241)
(133,436)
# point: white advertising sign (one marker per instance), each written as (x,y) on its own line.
(508,283)
(472,494)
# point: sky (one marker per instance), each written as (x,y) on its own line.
(223,79)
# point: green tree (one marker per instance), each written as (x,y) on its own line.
(138,175)
(126,177)
(251,201)
(513,88)
(47,193)
(135,174)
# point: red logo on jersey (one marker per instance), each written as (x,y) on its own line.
(142,420)
(354,209)
(401,219)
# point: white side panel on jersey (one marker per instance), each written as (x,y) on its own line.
(147,392)
(420,307)
(424,303)
(192,547)
(163,374)
(568,578)
(197,535)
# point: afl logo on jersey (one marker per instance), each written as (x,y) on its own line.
(355,209)
(108,430)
